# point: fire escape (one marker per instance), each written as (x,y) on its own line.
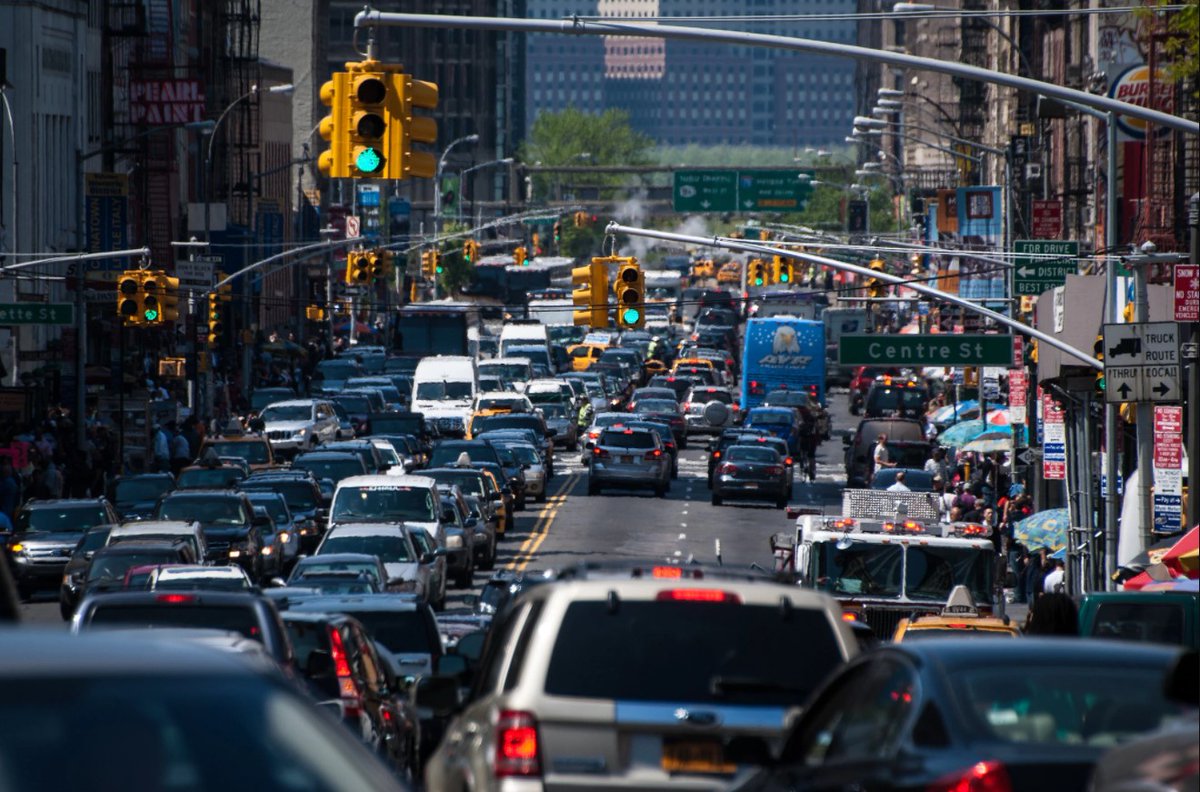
(237,150)
(141,36)
(1162,151)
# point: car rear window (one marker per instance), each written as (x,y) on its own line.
(706,395)
(744,454)
(397,631)
(621,439)
(735,653)
(215,617)
(1158,622)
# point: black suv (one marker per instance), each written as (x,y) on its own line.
(303,495)
(231,529)
(339,662)
(111,568)
(44,537)
(895,397)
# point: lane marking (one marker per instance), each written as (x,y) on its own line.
(541,528)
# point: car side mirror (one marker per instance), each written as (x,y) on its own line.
(276,582)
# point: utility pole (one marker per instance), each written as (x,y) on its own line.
(1192,361)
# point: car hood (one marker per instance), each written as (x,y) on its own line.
(286,426)
(49,541)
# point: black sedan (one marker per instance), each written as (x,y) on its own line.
(961,714)
(751,472)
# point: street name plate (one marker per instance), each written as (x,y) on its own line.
(926,350)
(34,313)
(1041,264)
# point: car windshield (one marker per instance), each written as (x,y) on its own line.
(627,439)
(390,549)
(860,568)
(553,411)
(435,391)
(915,480)
(287,412)
(545,397)
(334,469)
(275,506)
(147,489)
(1080,703)
(506,371)
(923,633)
(112,569)
(737,654)
(255,453)
(765,456)
(76,519)
(525,454)
(298,494)
(202,583)
(510,421)
(156,732)
(932,572)
(894,398)
(239,619)
(1143,620)
(208,510)
(769,418)
(354,403)
(501,403)
(383,504)
(206,478)
(317,566)
(398,631)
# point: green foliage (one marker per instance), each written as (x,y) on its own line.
(456,273)
(1182,47)
(581,243)
(573,137)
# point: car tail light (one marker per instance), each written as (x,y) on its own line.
(716,454)
(341,666)
(653,455)
(517,745)
(727,469)
(175,599)
(775,470)
(849,616)
(789,461)
(698,595)
(599,452)
(687,406)
(987,776)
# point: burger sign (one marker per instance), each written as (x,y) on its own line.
(1133,86)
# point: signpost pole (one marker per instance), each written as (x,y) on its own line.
(1145,423)
(1112,411)
(80,359)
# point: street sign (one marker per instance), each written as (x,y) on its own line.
(926,350)
(1187,293)
(196,273)
(35,313)
(1041,264)
(353,227)
(740,191)
(1054,441)
(1141,362)
(1047,219)
(1168,469)
(1017,385)
(1026,456)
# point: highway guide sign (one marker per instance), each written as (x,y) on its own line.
(1042,264)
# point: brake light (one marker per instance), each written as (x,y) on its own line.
(987,776)
(698,595)
(517,745)
(716,454)
(175,599)
(788,461)
(774,470)
(727,469)
(667,572)
(599,452)
(341,666)
(652,455)
(687,406)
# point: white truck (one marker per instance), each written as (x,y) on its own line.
(444,388)
(887,557)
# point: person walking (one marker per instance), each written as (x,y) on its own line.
(180,453)
(162,447)
(10,489)
(880,457)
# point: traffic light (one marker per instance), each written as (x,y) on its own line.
(358,268)
(591,293)
(369,119)
(521,257)
(315,313)
(471,251)
(169,303)
(215,326)
(537,244)
(152,290)
(875,287)
(557,232)
(429,265)
(1098,353)
(630,288)
(438,269)
(376,266)
(782,270)
(764,235)
(407,129)
(757,275)
(129,299)
(334,162)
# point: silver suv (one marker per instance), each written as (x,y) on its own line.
(654,681)
(628,457)
(710,408)
(299,424)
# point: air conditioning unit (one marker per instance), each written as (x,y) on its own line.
(1033,171)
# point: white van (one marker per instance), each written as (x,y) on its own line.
(444,389)
(523,334)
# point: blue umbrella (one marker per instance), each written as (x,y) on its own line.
(1045,529)
(956,412)
(964,432)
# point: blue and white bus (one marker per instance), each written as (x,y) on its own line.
(782,353)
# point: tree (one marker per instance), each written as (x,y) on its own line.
(573,137)
(456,272)
(1182,45)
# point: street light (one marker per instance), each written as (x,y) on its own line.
(437,181)
(889,93)
(462,179)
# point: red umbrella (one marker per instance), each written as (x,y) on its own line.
(1181,558)
(1153,574)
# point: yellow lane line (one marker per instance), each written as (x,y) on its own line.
(542,527)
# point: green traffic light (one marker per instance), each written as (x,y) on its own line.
(440,269)
(150,314)
(758,281)
(368,160)
(783,278)
(630,315)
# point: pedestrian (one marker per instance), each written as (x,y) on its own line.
(1035,570)
(898,485)
(1053,614)
(937,465)
(180,453)
(1055,580)
(191,433)
(880,457)
(10,488)
(162,447)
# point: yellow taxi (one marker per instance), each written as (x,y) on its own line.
(959,619)
(584,355)
(730,272)
(502,506)
(692,363)
(704,268)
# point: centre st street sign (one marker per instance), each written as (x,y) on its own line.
(1035,272)
(926,350)
(740,191)
(37,313)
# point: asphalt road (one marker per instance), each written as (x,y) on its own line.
(573,527)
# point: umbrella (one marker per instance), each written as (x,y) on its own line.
(1045,529)
(991,441)
(964,432)
(1156,573)
(998,418)
(1178,584)
(1148,557)
(1183,558)
(956,412)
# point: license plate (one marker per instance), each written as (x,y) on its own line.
(695,756)
(628,460)
(751,486)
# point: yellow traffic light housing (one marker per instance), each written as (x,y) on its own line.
(407,129)
(591,293)
(758,275)
(152,291)
(314,313)
(521,257)
(375,265)
(169,303)
(129,298)
(470,252)
(782,270)
(875,287)
(368,119)
(334,162)
(580,219)
(358,268)
(428,265)
(215,326)
(630,288)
